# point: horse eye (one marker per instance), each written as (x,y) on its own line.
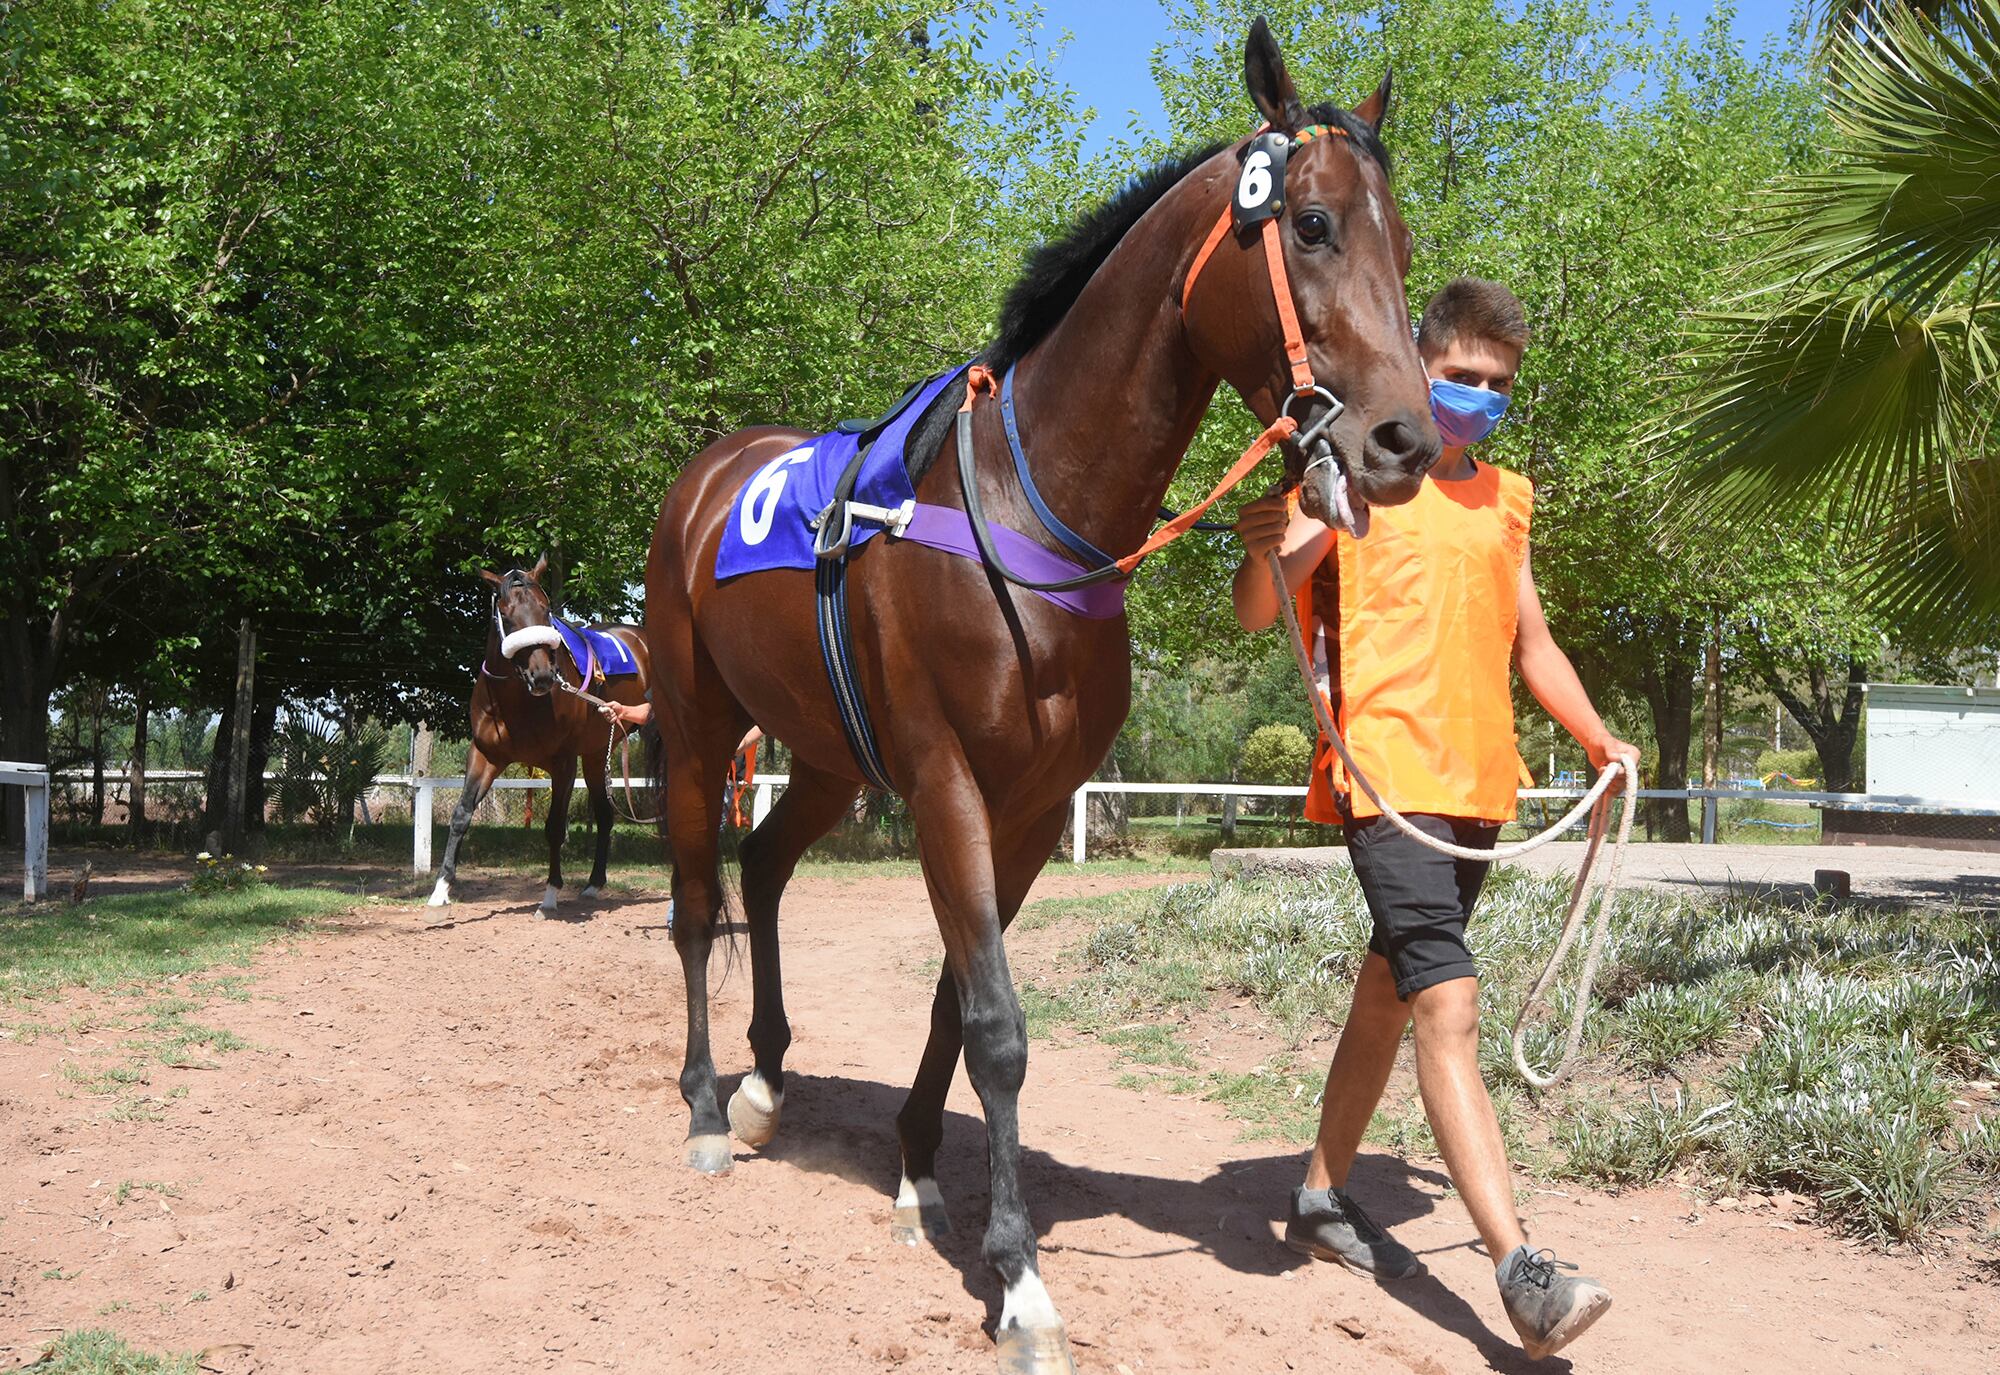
(1314,227)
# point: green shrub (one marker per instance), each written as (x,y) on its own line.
(1277,754)
(1797,764)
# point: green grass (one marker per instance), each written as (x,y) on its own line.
(138,938)
(1746,1043)
(157,956)
(94,1351)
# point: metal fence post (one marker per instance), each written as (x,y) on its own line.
(422,810)
(1078,822)
(35,870)
(1708,810)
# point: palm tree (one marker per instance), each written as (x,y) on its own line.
(1855,377)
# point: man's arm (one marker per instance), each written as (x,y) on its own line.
(1265,524)
(1552,678)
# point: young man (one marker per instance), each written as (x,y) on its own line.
(1415,624)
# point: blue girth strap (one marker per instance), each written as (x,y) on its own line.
(1092,556)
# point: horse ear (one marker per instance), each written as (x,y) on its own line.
(541,567)
(1270,84)
(1373,110)
(491,576)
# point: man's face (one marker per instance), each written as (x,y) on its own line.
(1480,363)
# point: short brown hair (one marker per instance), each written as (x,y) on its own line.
(1473,308)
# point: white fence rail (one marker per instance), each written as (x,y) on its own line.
(34,778)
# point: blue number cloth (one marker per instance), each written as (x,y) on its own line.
(587,648)
(769,525)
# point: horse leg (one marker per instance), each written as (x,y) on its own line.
(920,1211)
(597,784)
(696,760)
(479,775)
(954,838)
(811,805)
(562,782)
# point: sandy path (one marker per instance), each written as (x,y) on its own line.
(458,1150)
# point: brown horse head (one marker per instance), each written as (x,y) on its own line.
(1347,253)
(522,624)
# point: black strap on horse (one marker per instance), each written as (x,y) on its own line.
(832,540)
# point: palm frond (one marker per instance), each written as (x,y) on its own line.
(1914,196)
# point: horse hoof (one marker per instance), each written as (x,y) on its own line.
(753,1111)
(920,1214)
(710,1154)
(440,895)
(592,891)
(1035,1351)
(549,900)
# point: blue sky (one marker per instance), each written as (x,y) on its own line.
(1106,61)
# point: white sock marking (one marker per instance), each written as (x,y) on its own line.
(440,895)
(918,1193)
(1028,1304)
(549,898)
(757,1093)
(591,891)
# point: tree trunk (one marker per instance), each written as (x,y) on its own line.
(135,776)
(1108,817)
(97,758)
(1667,678)
(1829,711)
(263,723)
(24,720)
(216,802)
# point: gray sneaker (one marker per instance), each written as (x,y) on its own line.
(1548,1310)
(1327,1224)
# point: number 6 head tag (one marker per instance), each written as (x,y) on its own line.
(1260,187)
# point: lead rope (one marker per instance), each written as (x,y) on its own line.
(1582,894)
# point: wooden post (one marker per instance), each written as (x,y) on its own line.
(1711,723)
(1079,811)
(135,776)
(421,794)
(239,739)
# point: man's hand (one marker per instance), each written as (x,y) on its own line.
(1261,526)
(621,714)
(1607,747)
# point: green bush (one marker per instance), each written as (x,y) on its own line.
(1277,754)
(1791,763)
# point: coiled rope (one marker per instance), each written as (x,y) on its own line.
(1584,895)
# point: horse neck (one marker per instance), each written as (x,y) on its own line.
(1110,400)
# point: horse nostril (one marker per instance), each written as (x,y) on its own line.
(1395,440)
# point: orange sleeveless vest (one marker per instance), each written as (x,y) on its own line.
(1428,604)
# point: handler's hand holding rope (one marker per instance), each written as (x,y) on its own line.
(1597,801)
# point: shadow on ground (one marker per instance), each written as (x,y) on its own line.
(1231,1215)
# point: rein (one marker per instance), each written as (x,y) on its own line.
(1582,895)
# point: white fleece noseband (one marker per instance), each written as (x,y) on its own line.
(527,637)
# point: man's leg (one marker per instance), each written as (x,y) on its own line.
(1461,1114)
(1359,1073)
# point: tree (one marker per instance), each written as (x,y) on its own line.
(308,313)
(1851,375)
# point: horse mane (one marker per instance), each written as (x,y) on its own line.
(1056,273)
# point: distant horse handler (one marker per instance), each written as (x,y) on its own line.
(1417,619)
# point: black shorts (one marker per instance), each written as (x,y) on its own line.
(1420,899)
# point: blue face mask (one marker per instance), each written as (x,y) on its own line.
(1465,415)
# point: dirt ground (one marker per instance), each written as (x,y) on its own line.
(455,1146)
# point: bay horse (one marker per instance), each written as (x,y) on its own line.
(520,715)
(990,705)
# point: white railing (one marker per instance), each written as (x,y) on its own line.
(423,793)
(33,781)
(424,789)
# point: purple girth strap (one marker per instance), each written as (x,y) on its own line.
(946,528)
